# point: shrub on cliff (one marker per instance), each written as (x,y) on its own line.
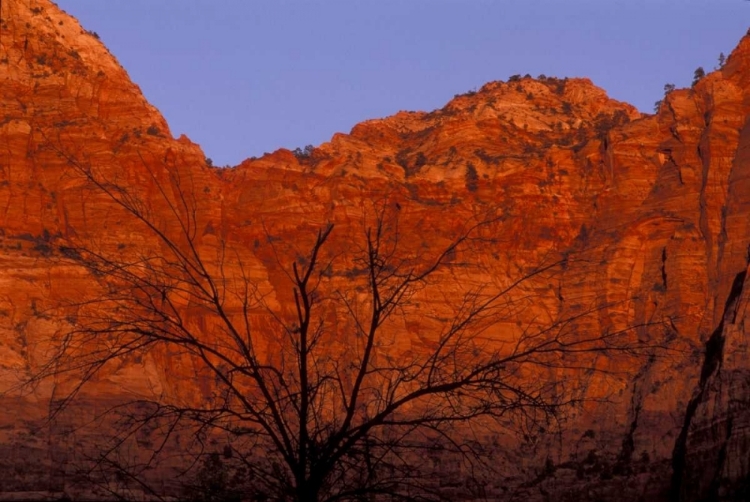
(698,74)
(304,153)
(471,178)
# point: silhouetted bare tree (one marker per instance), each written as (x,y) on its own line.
(318,388)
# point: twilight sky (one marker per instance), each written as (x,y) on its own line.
(243,77)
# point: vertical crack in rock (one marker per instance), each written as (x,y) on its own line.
(704,217)
(628,442)
(624,458)
(664,267)
(713,490)
(711,365)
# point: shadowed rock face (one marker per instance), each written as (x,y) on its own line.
(656,206)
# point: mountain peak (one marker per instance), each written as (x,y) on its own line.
(497,125)
(48,52)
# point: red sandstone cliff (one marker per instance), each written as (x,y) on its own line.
(657,204)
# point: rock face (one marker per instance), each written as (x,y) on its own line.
(657,207)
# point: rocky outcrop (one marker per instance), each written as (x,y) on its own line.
(654,208)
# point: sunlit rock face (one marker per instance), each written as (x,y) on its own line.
(652,210)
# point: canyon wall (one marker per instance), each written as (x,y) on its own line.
(653,211)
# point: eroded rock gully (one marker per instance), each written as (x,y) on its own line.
(658,204)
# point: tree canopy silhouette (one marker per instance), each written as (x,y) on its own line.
(370,360)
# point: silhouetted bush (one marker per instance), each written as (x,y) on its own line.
(212,483)
(698,74)
(304,153)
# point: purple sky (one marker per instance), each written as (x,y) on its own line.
(243,77)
